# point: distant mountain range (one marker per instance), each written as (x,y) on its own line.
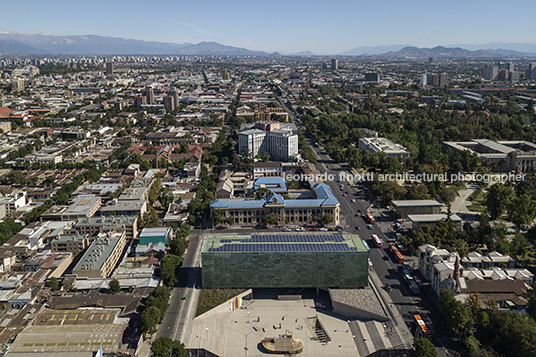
(42,44)
(439,52)
(372,50)
(454,52)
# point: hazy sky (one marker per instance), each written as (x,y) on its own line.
(287,26)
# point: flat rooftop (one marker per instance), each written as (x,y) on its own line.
(416,203)
(231,333)
(284,243)
(383,144)
(77,317)
(106,221)
(98,253)
(69,338)
(82,205)
(155,232)
(422,218)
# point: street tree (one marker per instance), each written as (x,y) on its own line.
(166,347)
(114,287)
(53,284)
(424,348)
(498,199)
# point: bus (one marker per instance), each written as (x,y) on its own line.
(377,241)
(411,283)
(421,330)
(369,218)
(399,258)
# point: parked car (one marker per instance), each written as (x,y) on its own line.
(287,230)
(300,229)
(407,267)
(323,229)
(417,280)
(353,200)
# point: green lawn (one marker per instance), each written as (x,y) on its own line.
(477,201)
(210,298)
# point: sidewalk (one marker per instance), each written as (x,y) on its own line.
(462,201)
(390,307)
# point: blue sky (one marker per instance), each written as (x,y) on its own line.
(323,27)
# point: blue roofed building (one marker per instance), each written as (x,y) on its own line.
(292,211)
(274,184)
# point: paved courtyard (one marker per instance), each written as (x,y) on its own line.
(240,332)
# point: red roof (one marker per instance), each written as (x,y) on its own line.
(5,110)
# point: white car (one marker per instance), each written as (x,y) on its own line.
(323,229)
(300,229)
(353,200)
(287,230)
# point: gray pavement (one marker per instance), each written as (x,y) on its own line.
(233,333)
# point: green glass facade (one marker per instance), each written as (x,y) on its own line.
(318,264)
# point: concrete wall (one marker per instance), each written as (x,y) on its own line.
(354,312)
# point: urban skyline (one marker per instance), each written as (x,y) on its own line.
(280,26)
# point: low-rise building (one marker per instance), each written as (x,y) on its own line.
(506,155)
(430,220)
(404,208)
(82,206)
(101,224)
(505,293)
(445,270)
(75,243)
(131,202)
(385,145)
(102,256)
(155,235)
(5,127)
(297,211)
(88,332)
(493,259)
(13,201)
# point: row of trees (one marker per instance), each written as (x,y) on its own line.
(172,262)
(199,207)
(36,213)
(305,151)
(166,347)
(155,308)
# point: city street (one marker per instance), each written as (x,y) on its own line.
(184,295)
(403,299)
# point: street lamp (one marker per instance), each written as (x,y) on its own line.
(248,317)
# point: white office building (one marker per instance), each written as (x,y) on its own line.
(280,144)
(254,141)
(385,145)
